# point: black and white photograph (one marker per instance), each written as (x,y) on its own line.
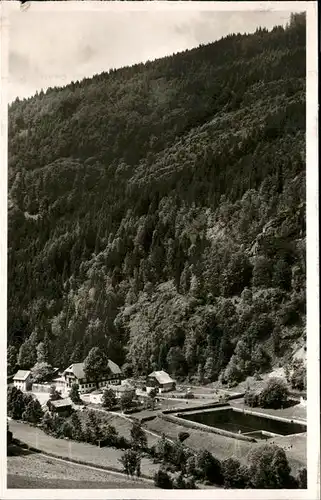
(159,250)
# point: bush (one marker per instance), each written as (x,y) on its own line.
(183,435)
(274,394)
(74,394)
(163,449)
(188,395)
(191,466)
(297,378)
(269,468)
(235,475)
(122,443)
(131,462)
(251,399)
(33,412)
(163,480)
(182,483)
(138,436)
(302,478)
(109,398)
(67,429)
(208,467)
(110,435)
(17,402)
(126,400)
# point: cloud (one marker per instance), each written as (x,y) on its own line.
(64,46)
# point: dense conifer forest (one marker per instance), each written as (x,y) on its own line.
(158,212)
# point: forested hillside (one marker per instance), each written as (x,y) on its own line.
(158,211)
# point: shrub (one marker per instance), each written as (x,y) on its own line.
(74,394)
(33,412)
(269,468)
(77,433)
(178,482)
(235,475)
(208,467)
(297,378)
(126,401)
(122,443)
(163,449)
(138,436)
(188,395)
(57,425)
(177,456)
(251,399)
(109,398)
(302,478)
(16,403)
(183,435)
(182,483)
(163,480)
(274,394)
(190,483)
(46,422)
(67,429)
(131,462)
(191,466)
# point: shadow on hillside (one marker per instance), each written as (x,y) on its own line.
(291,402)
(15,450)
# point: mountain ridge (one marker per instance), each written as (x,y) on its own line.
(167,195)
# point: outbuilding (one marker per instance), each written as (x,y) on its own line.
(22,380)
(161,381)
(61,406)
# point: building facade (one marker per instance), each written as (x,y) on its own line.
(161,381)
(75,374)
(22,380)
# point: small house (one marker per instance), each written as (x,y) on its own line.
(61,406)
(96,396)
(75,374)
(161,381)
(22,380)
(123,389)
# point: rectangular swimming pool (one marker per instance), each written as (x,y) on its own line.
(240,422)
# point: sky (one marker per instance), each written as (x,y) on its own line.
(52,50)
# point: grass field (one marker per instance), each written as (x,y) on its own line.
(107,457)
(37,471)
